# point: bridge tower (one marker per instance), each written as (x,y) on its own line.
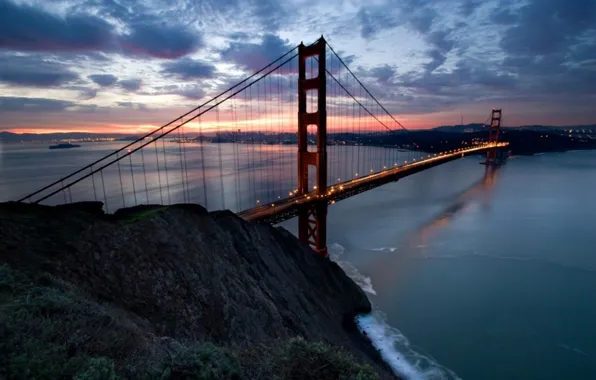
(312,220)
(492,156)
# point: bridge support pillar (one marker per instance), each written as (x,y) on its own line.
(493,155)
(312,220)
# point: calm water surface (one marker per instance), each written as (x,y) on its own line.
(473,274)
(480,276)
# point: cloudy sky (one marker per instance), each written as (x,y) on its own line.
(128,65)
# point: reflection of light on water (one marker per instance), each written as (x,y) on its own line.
(482,189)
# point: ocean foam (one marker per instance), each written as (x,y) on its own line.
(393,346)
(391,249)
(365,283)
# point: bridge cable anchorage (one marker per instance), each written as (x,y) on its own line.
(235,153)
(180,144)
(202,143)
(105,197)
(188,197)
(165,164)
(132,177)
(158,170)
(121,186)
(160,129)
(219,142)
(144,175)
(94,188)
(250,153)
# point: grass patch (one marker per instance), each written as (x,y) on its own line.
(49,330)
(297,358)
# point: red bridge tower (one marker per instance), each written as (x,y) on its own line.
(492,156)
(312,220)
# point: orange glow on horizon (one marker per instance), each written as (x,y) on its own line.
(227,123)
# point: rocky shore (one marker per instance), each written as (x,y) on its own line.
(172,293)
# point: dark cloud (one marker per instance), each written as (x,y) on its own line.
(253,56)
(503,16)
(549,26)
(33,71)
(161,41)
(441,44)
(33,104)
(130,84)
(383,74)
(136,106)
(193,92)
(467,7)
(85,93)
(26,28)
(187,68)
(422,21)
(550,48)
(238,36)
(189,92)
(373,20)
(103,80)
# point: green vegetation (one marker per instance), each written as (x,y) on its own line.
(50,330)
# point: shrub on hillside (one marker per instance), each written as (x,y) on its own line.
(49,330)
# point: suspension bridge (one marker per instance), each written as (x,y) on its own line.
(238,151)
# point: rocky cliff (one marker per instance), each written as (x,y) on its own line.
(176,274)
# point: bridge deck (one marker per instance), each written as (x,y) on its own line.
(288,208)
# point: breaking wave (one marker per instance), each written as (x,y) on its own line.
(393,346)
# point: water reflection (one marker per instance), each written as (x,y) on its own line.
(481,191)
(387,266)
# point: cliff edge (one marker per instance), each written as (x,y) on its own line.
(169,293)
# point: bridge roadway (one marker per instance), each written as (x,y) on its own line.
(288,208)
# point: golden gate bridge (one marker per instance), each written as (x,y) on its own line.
(237,150)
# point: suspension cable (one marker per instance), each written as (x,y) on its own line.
(166,125)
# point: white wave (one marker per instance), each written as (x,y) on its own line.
(395,350)
(365,283)
(393,346)
(391,249)
(500,257)
(573,349)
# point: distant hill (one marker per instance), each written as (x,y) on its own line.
(470,128)
(30,137)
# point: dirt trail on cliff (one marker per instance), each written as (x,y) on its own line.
(186,274)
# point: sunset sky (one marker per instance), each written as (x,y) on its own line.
(127,66)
